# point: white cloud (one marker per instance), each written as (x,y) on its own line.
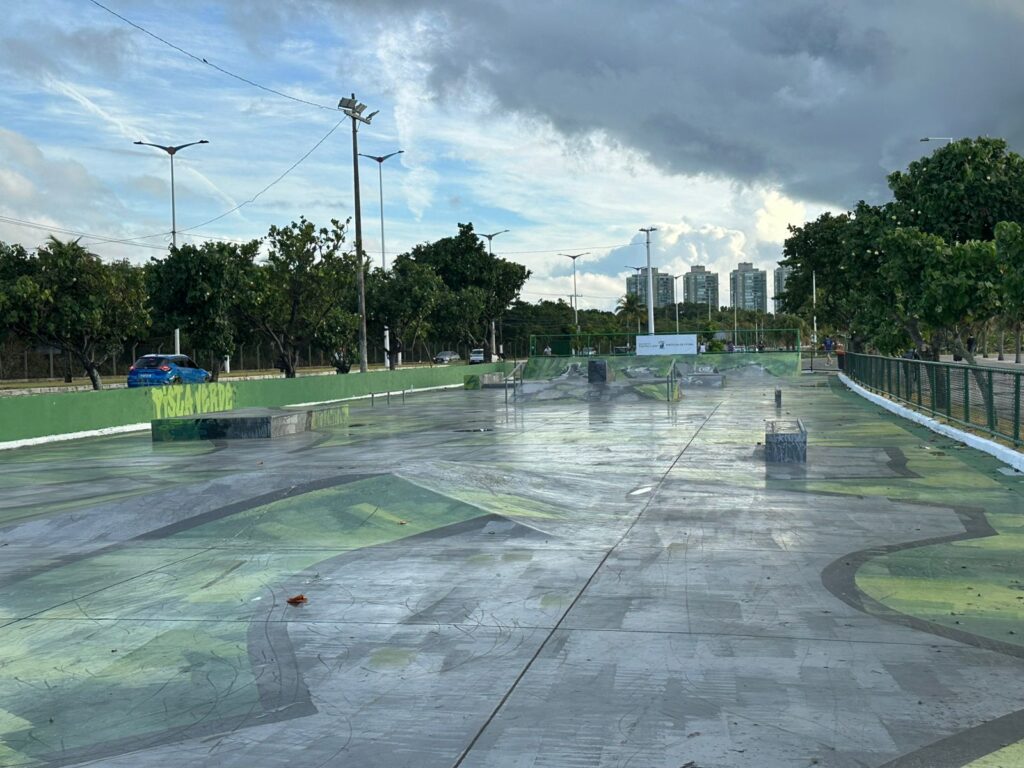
(775,216)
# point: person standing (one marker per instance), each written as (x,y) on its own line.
(829,346)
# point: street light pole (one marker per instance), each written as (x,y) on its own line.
(675,279)
(494,335)
(383,265)
(354,110)
(650,281)
(172,151)
(380,186)
(575,297)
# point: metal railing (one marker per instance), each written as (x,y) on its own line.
(982,398)
(624,343)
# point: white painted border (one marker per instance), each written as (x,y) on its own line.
(73,436)
(1006,455)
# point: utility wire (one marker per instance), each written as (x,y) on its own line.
(254,197)
(64,231)
(201,60)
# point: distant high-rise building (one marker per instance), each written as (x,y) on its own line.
(698,283)
(781,276)
(664,287)
(748,287)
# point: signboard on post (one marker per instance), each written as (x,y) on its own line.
(667,344)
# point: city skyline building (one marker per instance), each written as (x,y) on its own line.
(698,283)
(664,287)
(748,287)
(780,276)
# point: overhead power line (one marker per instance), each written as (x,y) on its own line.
(202,60)
(65,231)
(254,197)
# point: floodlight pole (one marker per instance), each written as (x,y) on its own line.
(650,281)
(354,110)
(172,151)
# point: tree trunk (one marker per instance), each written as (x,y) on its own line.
(1002,341)
(1016,352)
(94,375)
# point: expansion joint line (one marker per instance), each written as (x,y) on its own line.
(558,624)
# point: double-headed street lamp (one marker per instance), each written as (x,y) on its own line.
(650,281)
(380,186)
(494,333)
(491,237)
(379,159)
(675,296)
(575,298)
(354,109)
(172,151)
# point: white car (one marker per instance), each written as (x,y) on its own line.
(476,356)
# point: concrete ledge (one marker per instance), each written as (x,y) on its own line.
(1004,454)
(785,441)
(249,423)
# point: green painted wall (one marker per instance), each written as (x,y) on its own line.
(28,416)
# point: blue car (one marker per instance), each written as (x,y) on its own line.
(156,370)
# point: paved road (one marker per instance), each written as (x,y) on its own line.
(557,583)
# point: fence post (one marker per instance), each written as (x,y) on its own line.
(1016,407)
(918,370)
(967,396)
(991,405)
(949,391)
(931,385)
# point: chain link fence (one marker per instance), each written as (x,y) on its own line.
(984,399)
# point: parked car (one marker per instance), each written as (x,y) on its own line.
(446,357)
(476,356)
(588,352)
(156,370)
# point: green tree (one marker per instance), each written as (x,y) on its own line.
(961,191)
(480,287)
(297,298)
(403,299)
(200,289)
(65,297)
(631,311)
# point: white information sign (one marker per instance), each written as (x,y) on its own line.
(667,344)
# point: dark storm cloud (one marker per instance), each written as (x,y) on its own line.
(823,98)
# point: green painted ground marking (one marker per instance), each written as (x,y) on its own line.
(113,661)
(1009,757)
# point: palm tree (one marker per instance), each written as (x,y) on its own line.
(629,308)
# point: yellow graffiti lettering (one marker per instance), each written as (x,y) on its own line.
(190,399)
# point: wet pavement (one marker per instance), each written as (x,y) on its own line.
(562,581)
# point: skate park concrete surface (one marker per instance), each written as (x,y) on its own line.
(555,581)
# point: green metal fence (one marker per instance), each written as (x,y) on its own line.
(741,340)
(984,399)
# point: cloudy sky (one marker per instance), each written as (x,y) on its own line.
(571,124)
